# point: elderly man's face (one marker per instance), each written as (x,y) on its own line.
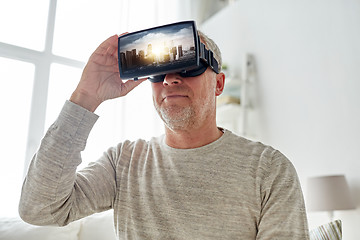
(184,103)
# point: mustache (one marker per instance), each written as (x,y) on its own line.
(177,89)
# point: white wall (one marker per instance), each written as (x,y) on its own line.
(307,101)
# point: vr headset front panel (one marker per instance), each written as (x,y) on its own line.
(158,51)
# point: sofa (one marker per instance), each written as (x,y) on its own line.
(100,227)
(95,227)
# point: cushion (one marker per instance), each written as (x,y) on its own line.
(329,231)
(17,229)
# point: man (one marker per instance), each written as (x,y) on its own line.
(197,181)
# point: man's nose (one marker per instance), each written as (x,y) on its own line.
(172,79)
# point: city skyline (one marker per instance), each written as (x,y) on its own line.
(141,59)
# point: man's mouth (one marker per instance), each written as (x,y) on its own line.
(174,96)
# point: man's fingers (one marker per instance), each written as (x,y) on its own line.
(108,46)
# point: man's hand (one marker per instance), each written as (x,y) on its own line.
(100,79)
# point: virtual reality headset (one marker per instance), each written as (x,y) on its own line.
(155,52)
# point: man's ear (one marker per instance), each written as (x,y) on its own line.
(220,83)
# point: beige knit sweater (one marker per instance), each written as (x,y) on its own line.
(232,188)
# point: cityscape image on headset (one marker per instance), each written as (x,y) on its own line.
(164,49)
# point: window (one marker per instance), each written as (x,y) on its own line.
(82,25)
(23,23)
(17,82)
(63,80)
(43,48)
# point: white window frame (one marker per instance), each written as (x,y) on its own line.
(42,61)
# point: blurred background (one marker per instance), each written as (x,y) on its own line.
(292,72)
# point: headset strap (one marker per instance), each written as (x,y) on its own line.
(207,56)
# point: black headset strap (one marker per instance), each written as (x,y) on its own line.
(207,56)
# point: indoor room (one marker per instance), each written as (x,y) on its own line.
(292,78)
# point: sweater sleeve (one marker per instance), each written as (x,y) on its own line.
(53,193)
(283,214)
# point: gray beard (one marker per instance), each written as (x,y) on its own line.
(177,118)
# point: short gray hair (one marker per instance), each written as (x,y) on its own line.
(211,45)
